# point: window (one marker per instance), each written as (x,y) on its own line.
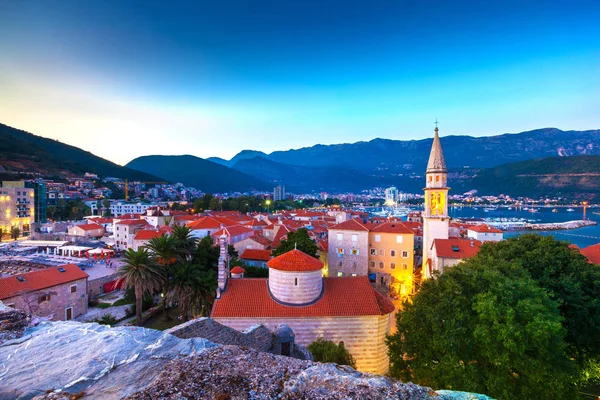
(373,252)
(340,236)
(74,289)
(430,178)
(354,275)
(340,264)
(381,264)
(44,297)
(437,178)
(295,281)
(355,238)
(355,252)
(354,265)
(372,264)
(381,252)
(399,238)
(404,267)
(339,274)
(455,248)
(393,253)
(405,254)
(378,238)
(340,251)
(393,266)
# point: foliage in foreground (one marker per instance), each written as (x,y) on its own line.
(485,326)
(328,352)
(297,240)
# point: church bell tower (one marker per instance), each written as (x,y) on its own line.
(435,217)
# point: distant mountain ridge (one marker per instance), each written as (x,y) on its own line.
(23,152)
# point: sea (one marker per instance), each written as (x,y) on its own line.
(582,237)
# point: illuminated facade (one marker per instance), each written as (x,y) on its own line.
(435,217)
(16,210)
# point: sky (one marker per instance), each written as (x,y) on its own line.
(124,79)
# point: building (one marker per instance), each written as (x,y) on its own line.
(279,193)
(346,309)
(255,257)
(485,233)
(391,196)
(56,292)
(86,231)
(435,216)
(348,249)
(449,252)
(142,238)
(592,253)
(17,209)
(125,230)
(391,257)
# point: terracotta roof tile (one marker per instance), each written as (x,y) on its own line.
(483,228)
(456,248)
(295,260)
(37,280)
(210,223)
(342,297)
(392,227)
(592,253)
(147,235)
(351,225)
(255,254)
(237,270)
(233,231)
(90,227)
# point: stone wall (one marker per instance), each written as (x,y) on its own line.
(350,263)
(61,298)
(96,286)
(363,336)
(295,287)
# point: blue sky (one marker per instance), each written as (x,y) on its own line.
(124,78)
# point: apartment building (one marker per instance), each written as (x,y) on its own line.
(16,209)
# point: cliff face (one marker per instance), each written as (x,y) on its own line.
(55,360)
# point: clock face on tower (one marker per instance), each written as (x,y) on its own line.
(437,203)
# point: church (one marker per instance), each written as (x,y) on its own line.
(346,309)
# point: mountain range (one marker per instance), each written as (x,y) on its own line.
(508,163)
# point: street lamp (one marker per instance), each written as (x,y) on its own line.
(268,203)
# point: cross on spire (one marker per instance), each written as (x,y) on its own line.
(436,123)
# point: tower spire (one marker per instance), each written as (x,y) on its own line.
(436,156)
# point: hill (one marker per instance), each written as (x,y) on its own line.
(23,152)
(199,173)
(571,177)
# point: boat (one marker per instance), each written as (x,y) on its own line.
(533,210)
(554,210)
(509,208)
(570,210)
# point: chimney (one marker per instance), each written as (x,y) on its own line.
(472,244)
(223,266)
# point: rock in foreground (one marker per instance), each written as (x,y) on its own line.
(231,372)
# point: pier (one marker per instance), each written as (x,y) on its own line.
(550,226)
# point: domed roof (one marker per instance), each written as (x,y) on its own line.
(295,261)
(237,270)
(284,333)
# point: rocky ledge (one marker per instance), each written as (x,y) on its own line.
(70,360)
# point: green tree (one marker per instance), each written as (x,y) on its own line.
(483,326)
(106,207)
(297,240)
(185,242)
(193,289)
(15,232)
(143,274)
(327,351)
(207,254)
(215,204)
(51,212)
(569,280)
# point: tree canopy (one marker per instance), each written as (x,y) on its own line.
(327,351)
(485,326)
(297,240)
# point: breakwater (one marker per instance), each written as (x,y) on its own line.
(547,226)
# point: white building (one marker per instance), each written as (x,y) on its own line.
(485,233)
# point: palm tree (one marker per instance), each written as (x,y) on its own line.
(186,243)
(165,253)
(140,272)
(192,288)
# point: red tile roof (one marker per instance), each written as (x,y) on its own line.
(37,280)
(351,225)
(592,253)
(483,228)
(210,223)
(392,227)
(132,222)
(90,227)
(295,260)
(342,297)
(129,216)
(237,270)
(147,235)
(465,248)
(233,231)
(255,254)
(100,220)
(260,239)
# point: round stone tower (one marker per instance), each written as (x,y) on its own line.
(295,278)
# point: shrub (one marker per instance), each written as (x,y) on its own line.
(328,352)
